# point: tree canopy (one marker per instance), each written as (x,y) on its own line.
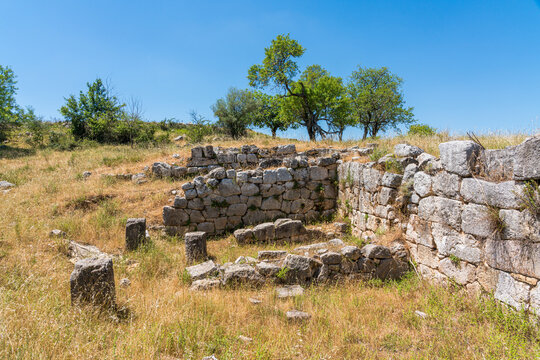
(235,112)
(8,105)
(377,102)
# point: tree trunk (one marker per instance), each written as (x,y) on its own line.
(273,133)
(365,132)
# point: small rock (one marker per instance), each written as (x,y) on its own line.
(125,282)
(289,291)
(213,357)
(178,138)
(86,174)
(176,156)
(421,314)
(202,271)
(373,251)
(205,284)
(57,233)
(245,338)
(254,301)
(336,242)
(5,185)
(297,315)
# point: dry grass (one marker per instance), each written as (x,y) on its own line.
(166,321)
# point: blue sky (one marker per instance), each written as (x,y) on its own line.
(466,64)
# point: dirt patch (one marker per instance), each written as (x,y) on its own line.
(87,202)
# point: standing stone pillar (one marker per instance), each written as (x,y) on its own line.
(135,233)
(92,282)
(195,246)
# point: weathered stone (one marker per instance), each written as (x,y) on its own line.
(526,163)
(423,159)
(283,175)
(271,203)
(180,202)
(502,195)
(249,189)
(351,252)
(57,233)
(135,233)
(195,246)
(518,225)
(462,273)
(371,179)
(286,149)
(218,173)
(477,220)
(441,210)
(459,157)
(512,292)
(237,210)
(202,270)
(406,150)
(289,291)
(271,255)
(446,184)
(373,251)
(289,229)
(317,173)
(264,232)
(6,185)
(206,226)
(422,183)
(387,196)
(408,173)
(331,258)
(244,236)
(205,284)
(451,242)
(161,169)
(300,268)
(390,269)
(419,231)
(514,256)
(228,187)
(92,282)
(535,300)
(499,163)
(242,274)
(296,315)
(391,180)
(268,269)
(269,176)
(336,242)
(174,217)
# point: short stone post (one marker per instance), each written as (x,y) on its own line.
(92,282)
(195,246)
(135,233)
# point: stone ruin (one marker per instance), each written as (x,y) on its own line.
(463,214)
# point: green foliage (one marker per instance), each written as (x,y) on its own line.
(494,216)
(530,197)
(282,273)
(267,113)
(454,259)
(220,204)
(422,130)
(377,154)
(235,112)
(393,166)
(94,113)
(315,97)
(377,101)
(9,109)
(198,129)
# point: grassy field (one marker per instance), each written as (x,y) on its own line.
(162,319)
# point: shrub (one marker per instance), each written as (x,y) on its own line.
(422,130)
(198,129)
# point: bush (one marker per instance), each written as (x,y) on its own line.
(422,130)
(199,128)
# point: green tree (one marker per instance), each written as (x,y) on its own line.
(9,109)
(94,113)
(377,102)
(268,114)
(422,130)
(235,112)
(315,97)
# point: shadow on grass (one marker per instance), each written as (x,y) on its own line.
(9,152)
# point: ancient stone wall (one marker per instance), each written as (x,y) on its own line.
(464,216)
(225,199)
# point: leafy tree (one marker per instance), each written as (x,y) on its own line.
(199,128)
(8,106)
(94,113)
(315,97)
(268,114)
(377,100)
(235,112)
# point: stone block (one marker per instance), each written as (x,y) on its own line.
(511,291)
(373,251)
(459,157)
(442,210)
(462,273)
(514,256)
(202,270)
(174,217)
(92,282)
(244,236)
(477,220)
(501,195)
(391,180)
(446,184)
(526,159)
(406,150)
(264,232)
(135,233)
(195,246)
(451,242)
(422,183)
(317,173)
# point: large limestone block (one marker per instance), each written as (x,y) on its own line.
(422,183)
(371,179)
(419,231)
(242,274)
(135,233)
(264,232)
(446,184)
(451,242)
(174,217)
(477,220)
(92,282)
(442,210)
(501,195)
(511,291)
(515,256)
(459,157)
(406,150)
(228,187)
(195,246)
(301,269)
(462,273)
(526,159)
(202,270)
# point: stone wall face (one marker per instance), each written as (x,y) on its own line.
(227,199)
(459,227)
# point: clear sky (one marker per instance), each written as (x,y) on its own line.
(466,64)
